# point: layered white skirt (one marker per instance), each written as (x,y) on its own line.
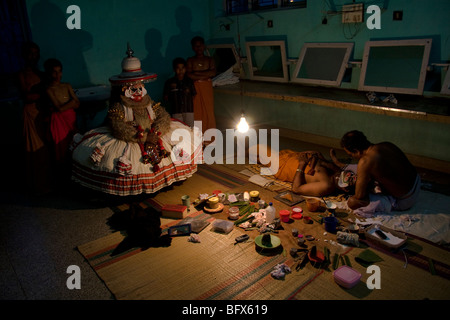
(104,163)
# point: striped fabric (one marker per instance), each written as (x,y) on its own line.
(224,178)
(123,185)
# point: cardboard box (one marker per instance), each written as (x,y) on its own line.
(175,211)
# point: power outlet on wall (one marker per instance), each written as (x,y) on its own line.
(353,13)
(398,16)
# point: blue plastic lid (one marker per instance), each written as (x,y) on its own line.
(270,203)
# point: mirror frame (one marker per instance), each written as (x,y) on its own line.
(344,63)
(282,45)
(426,43)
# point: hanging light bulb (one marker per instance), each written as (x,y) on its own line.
(242,125)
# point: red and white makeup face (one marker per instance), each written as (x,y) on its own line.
(135,92)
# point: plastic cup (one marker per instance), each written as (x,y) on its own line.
(312,204)
(186,200)
(330,224)
(284,215)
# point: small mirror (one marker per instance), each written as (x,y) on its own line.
(395,66)
(267,61)
(322,63)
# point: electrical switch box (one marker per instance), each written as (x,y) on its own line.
(353,13)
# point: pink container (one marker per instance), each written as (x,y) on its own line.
(346,277)
(284,215)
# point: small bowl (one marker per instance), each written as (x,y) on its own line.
(330,205)
(354,228)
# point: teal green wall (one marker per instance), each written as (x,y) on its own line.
(158,31)
(422,138)
(421,19)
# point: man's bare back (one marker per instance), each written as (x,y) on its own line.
(384,165)
(390,168)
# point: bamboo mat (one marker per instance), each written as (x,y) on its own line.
(216,269)
(213,269)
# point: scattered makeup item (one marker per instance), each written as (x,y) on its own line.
(213,202)
(232,198)
(312,204)
(353,228)
(254,196)
(315,255)
(284,215)
(233,213)
(241,238)
(179,230)
(222,197)
(186,201)
(301,240)
(330,224)
(346,276)
(297,213)
(261,204)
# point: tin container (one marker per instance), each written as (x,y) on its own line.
(233,213)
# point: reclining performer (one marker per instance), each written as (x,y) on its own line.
(310,173)
(385,165)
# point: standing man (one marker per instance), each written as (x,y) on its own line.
(385,167)
(201,69)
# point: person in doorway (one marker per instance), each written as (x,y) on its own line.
(382,167)
(202,69)
(179,92)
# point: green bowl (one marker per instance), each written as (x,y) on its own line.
(275,242)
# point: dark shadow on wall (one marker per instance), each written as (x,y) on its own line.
(155,62)
(49,31)
(180,45)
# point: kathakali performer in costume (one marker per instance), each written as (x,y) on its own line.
(141,149)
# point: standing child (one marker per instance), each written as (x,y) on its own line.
(179,92)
